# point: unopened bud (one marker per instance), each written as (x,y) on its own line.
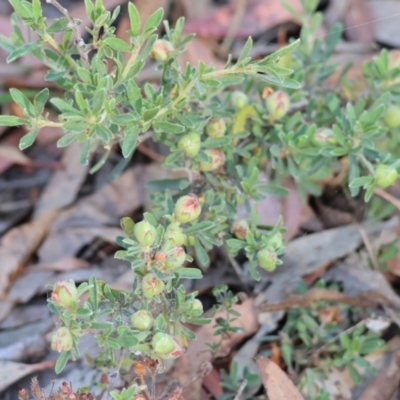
(385,175)
(62,340)
(187,209)
(152,285)
(392,116)
(176,351)
(323,137)
(162,50)
(190,144)
(240,229)
(217,160)
(162,343)
(65,294)
(267,259)
(278,104)
(142,320)
(174,235)
(239,99)
(216,128)
(145,233)
(176,258)
(196,307)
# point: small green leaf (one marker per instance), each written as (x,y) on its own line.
(359,182)
(130,140)
(10,120)
(20,10)
(59,25)
(236,244)
(23,102)
(40,100)
(198,227)
(201,253)
(62,361)
(67,139)
(134,19)
(188,273)
(245,52)
(117,44)
(23,50)
(153,21)
(28,139)
(168,127)
(93,293)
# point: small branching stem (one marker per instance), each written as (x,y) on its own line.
(78,38)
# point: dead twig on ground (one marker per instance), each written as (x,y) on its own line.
(370,299)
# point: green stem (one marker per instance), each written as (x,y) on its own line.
(366,163)
(129,64)
(48,39)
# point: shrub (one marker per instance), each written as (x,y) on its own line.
(221,127)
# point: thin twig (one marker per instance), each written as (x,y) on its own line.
(233,27)
(240,391)
(78,38)
(368,299)
(370,250)
(351,329)
(388,197)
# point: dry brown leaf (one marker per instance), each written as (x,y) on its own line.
(188,366)
(359,22)
(67,243)
(386,385)
(290,207)
(11,372)
(260,16)
(64,184)
(197,50)
(386,18)
(276,382)
(19,244)
(94,216)
(62,265)
(307,254)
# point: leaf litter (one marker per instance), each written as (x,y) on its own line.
(71,215)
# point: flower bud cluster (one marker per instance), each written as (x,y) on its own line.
(267,256)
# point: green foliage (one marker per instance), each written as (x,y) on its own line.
(286,119)
(310,342)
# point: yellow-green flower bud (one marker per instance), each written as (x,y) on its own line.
(195,306)
(174,235)
(385,175)
(152,285)
(217,160)
(145,233)
(65,295)
(392,116)
(239,99)
(176,351)
(162,343)
(142,320)
(176,257)
(278,105)
(323,137)
(62,340)
(240,229)
(267,259)
(187,209)
(162,50)
(216,128)
(190,144)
